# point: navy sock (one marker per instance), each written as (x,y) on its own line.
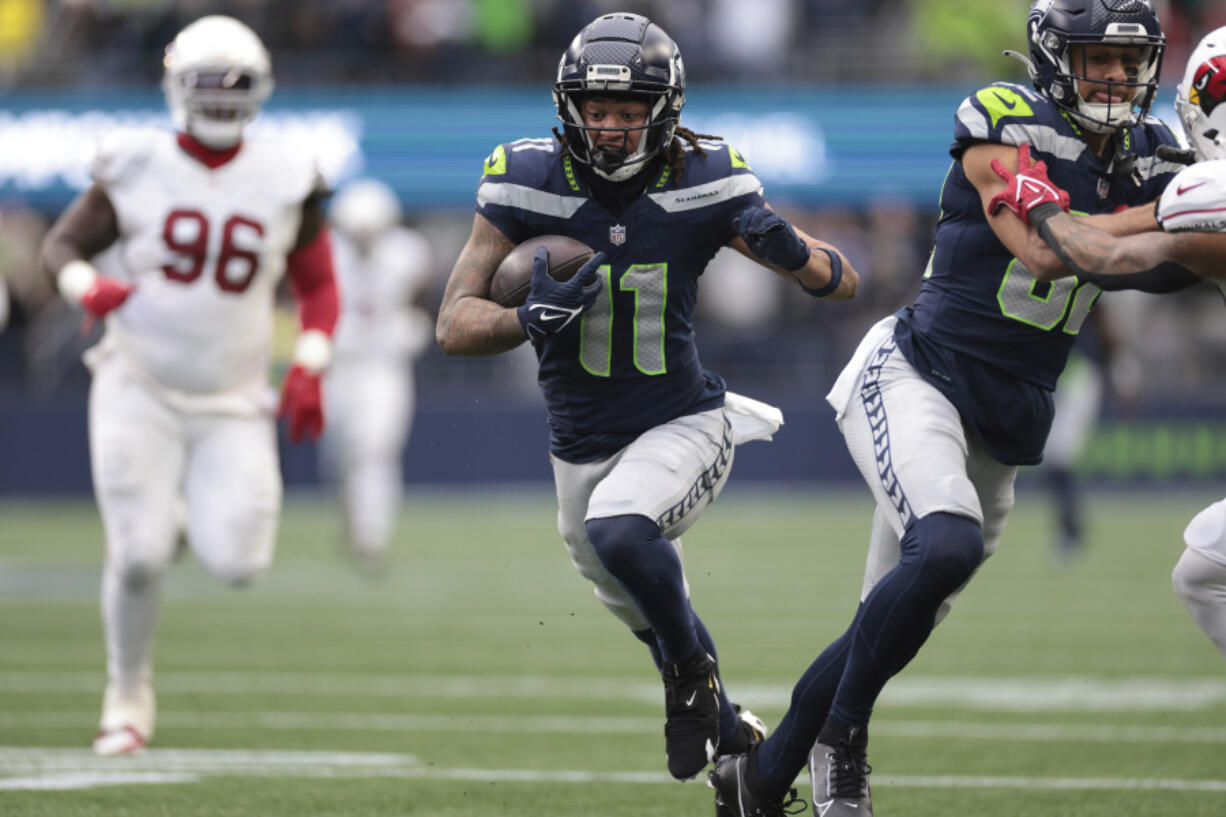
(938,554)
(648,637)
(782,755)
(1064,492)
(633,550)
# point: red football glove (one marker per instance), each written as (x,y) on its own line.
(1026,189)
(105,295)
(302,403)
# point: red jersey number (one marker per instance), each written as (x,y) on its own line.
(186,233)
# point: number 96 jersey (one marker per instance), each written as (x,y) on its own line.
(206,247)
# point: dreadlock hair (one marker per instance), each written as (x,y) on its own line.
(675,153)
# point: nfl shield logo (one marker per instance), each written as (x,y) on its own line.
(617,234)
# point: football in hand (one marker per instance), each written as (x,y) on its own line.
(513,277)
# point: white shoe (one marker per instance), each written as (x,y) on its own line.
(127,721)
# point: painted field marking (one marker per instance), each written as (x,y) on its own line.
(83,720)
(27,768)
(1073,694)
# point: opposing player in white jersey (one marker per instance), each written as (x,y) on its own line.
(383,269)
(1191,246)
(206,224)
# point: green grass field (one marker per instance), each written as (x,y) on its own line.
(480,676)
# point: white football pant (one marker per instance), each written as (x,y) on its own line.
(144,456)
(369,408)
(1078,402)
(910,446)
(1199,576)
(671,474)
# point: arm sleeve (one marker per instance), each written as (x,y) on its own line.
(313,283)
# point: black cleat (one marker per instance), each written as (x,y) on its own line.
(839,770)
(733,797)
(691,710)
(750,731)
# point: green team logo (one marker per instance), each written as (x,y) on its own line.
(1001,102)
(496,162)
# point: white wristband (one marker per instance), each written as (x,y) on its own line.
(75,279)
(313,351)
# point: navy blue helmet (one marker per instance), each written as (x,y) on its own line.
(1055,26)
(621,56)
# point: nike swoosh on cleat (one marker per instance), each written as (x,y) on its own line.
(1181,189)
(693,697)
(822,808)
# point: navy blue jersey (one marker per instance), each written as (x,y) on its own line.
(633,364)
(983,329)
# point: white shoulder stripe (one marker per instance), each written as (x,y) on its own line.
(529,198)
(973,120)
(691,198)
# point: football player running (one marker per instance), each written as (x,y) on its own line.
(642,437)
(1191,247)
(382,270)
(944,400)
(207,223)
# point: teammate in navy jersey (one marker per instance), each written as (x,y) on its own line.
(1192,246)
(642,436)
(944,400)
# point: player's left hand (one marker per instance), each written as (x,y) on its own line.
(1026,189)
(302,404)
(771,238)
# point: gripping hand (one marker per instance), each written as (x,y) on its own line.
(771,238)
(552,305)
(1027,189)
(302,404)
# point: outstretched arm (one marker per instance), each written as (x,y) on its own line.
(469,323)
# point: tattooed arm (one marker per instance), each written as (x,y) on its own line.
(1152,262)
(468,323)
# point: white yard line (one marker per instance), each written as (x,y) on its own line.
(27,768)
(605,725)
(1074,694)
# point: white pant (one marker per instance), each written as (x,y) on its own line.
(670,474)
(146,452)
(1078,401)
(912,449)
(369,409)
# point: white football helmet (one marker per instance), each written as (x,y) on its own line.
(364,209)
(1200,99)
(217,76)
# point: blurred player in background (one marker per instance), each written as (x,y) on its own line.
(944,400)
(207,223)
(642,436)
(1192,246)
(1099,367)
(383,270)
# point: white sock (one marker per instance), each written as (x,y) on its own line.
(1200,584)
(129,619)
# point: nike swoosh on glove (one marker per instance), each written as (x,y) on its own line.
(771,238)
(1026,189)
(302,404)
(551,305)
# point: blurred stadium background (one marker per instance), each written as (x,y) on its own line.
(844,108)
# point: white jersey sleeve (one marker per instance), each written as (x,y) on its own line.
(206,248)
(1195,200)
